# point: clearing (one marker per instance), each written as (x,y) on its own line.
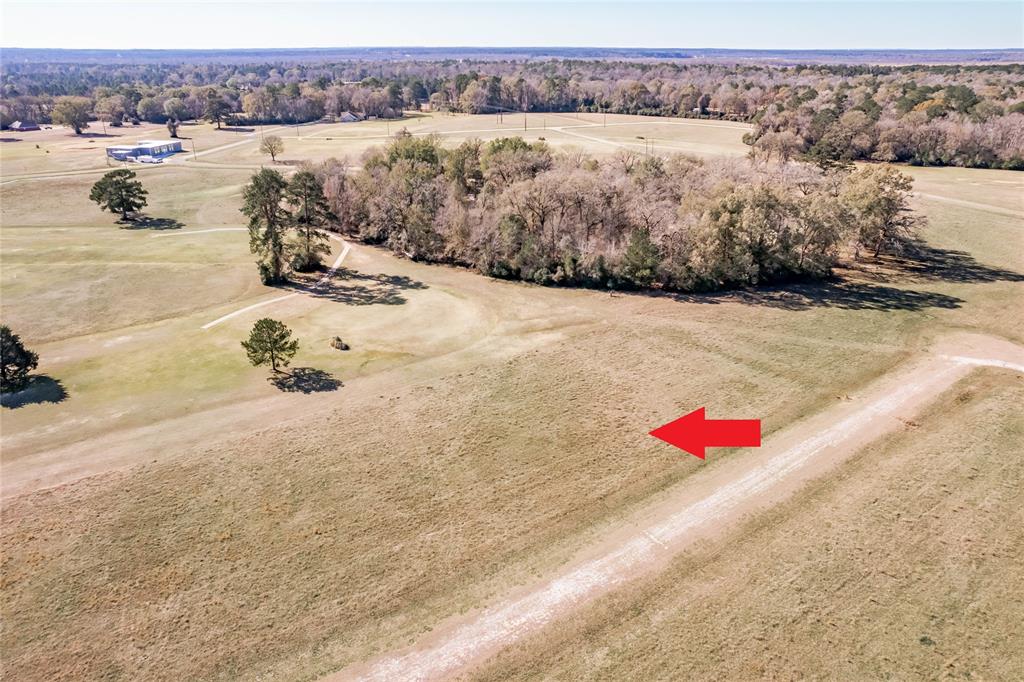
(169,514)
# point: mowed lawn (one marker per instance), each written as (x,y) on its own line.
(118,314)
(483,432)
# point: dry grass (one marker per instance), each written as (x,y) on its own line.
(304,548)
(484,430)
(587,132)
(58,149)
(904,565)
(998,188)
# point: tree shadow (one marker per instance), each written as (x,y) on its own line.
(923,263)
(92,135)
(238,129)
(148,223)
(40,389)
(866,288)
(355,288)
(833,294)
(10,139)
(305,380)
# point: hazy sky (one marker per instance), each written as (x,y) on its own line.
(752,24)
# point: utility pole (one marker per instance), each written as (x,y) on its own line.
(193,149)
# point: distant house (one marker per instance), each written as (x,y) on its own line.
(349,117)
(22,126)
(146,151)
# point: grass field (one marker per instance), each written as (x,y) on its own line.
(909,569)
(207,524)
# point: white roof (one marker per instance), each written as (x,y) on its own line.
(156,143)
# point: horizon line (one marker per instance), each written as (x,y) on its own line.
(523,47)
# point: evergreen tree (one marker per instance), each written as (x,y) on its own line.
(216,108)
(268,222)
(311,213)
(16,361)
(119,192)
(270,342)
(640,262)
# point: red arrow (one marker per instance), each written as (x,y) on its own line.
(693,433)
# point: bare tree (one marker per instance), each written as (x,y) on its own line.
(272,145)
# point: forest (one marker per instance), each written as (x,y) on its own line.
(963,115)
(516,210)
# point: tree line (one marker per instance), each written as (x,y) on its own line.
(968,115)
(516,210)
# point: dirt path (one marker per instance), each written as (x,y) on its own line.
(973,204)
(721,495)
(345,248)
(568,130)
(8,179)
(485,322)
(247,139)
(181,233)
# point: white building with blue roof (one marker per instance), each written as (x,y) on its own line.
(145,151)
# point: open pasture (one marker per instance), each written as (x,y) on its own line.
(587,132)
(793,594)
(58,153)
(209,523)
(57,150)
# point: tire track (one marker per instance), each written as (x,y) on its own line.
(699,507)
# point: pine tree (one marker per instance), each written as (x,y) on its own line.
(268,222)
(270,342)
(311,212)
(119,192)
(217,109)
(640,262)
(16,361)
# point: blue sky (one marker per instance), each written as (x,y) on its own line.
(727,24)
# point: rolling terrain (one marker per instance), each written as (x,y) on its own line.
(169,513)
